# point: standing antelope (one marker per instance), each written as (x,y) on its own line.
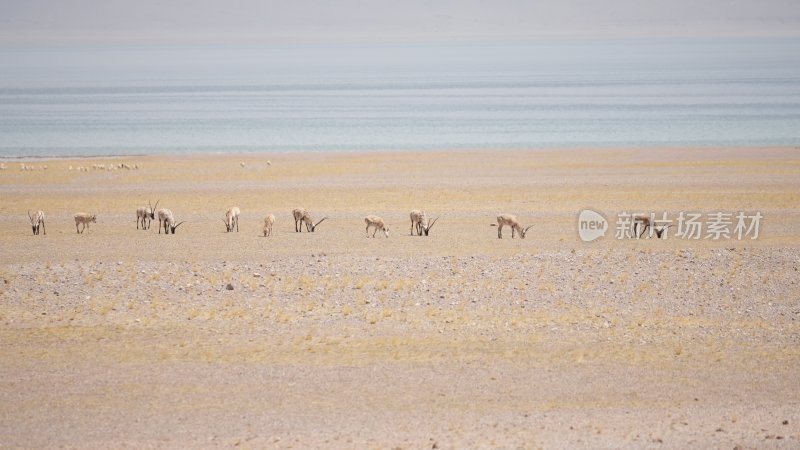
(84,219)
(419,221)
(301,216)
(37,219)
(268,221)
(232,219)
(146,214)
(377,223)
(510,220)
(165,216)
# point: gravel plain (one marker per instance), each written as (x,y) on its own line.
(126,338)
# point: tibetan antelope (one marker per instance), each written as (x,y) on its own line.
(301,216)
(268,222)
(377,223)
(643,221)
(165,216)
(420,222)
(145,215)
(83,219)
(232,219)
(37,220)
(510,220)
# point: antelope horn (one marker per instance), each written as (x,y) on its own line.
(29,215)
(156,206)
(179,224)
(320,221)
(431,224)
(529,227)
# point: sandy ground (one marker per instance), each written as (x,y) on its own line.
(120,337)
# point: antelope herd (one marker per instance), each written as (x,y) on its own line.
(419,222)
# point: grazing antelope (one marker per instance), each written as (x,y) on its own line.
(419,221)
(37,219)
(84,219)
(165,216)
(145,215)
(644,222)
(301,216)
(268,221)
(377,223)
(418,218)
(510,220)
(232,219)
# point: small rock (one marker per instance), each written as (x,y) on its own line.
(256,275)
(229,286)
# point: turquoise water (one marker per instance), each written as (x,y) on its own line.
(68,101)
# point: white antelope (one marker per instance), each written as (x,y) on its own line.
(419,222)
(232,219)
(84,219)
(301,216)
(511,221)
(268,222)
(37,220)
(377,223)
(145,215)
(166,218)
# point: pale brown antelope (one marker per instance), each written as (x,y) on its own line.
(377,223)
(166,218)
(420,222)
(37,220)
(268,222)
(232,219)
(510,220)
(145,215)
(83,219)
(301,216)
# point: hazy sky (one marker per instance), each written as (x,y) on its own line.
(159,21)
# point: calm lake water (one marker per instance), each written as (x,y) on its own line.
(69,101)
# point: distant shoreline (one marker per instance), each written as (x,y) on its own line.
(679,152)
(195,154)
